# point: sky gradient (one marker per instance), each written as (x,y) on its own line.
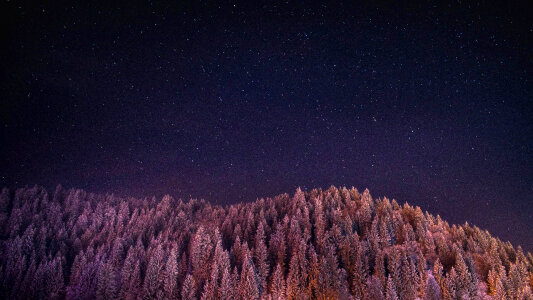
(425,103)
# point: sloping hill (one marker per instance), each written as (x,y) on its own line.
(328,244)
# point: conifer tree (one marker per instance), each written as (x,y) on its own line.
(499,291)
(107,283)
(131,278)
(153,279)
(374,289)
(465,283)
(432,289)
(188,291)
(277,289)
(170,280)
(319,225)
(451,284)
(226,286)
(278,247)
(248,285)
(391,293)
(314,273)
(293,279)
(200,254)
(260,257)
(55,281)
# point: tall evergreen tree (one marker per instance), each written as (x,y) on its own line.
(170,280)
(277,289)
(391,293)
(153,279)
(248,285)
(188,291)
(107,282)
(201,248)
(260,257)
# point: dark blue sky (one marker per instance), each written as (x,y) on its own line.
(426,103)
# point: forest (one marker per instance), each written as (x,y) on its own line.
(320,244)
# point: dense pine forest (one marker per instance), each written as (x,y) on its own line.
(322,244)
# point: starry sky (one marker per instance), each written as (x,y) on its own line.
(422,102)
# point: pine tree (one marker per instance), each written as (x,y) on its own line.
(188,291)
(55,280)
(391,293)
(200,253)
(209,291)
(314,272)
(27,290)
(260,257)
(359,272)
(278,247)
(107,282)
(437,273)
(293,279)
(432,289)
(226,285)
(499,291)
(248,285)
(379,267)
(170,281)
(374,289)
(464,281)
(319,225)
(221,265)
(153,279)
(364,214)
(277,288)
(531,276)
(131,277)
(451,284)
(393,266)
(409,279)
(492,280)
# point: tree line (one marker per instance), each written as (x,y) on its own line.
(322,244)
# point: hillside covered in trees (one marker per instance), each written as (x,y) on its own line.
(332,244)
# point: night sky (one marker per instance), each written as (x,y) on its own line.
(426,103)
